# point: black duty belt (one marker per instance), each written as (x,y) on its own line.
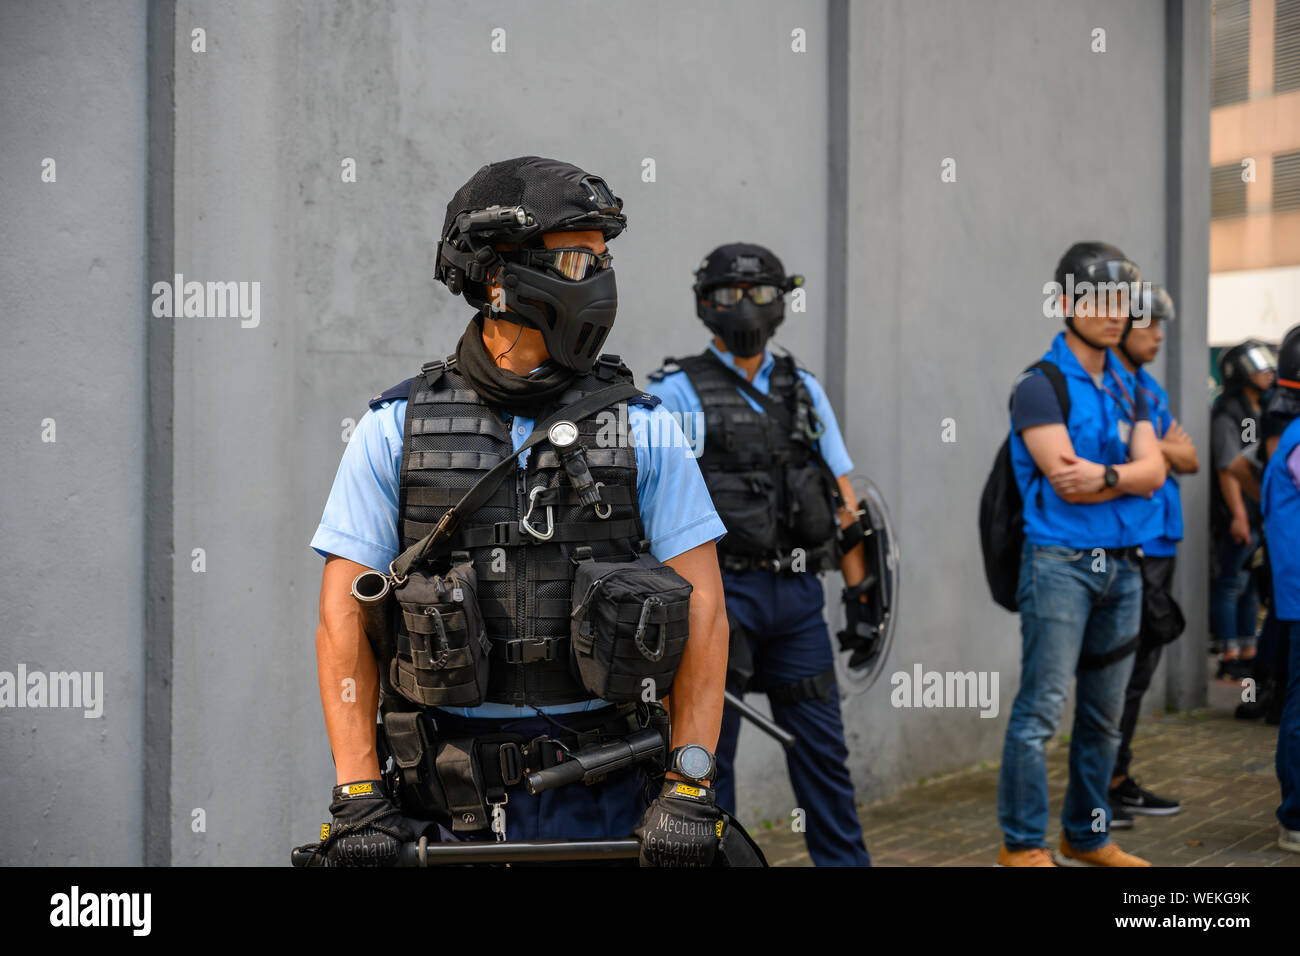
(460,770)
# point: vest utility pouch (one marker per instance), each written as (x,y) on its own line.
(442,660)
(630,623)
(747,504)
(812,505)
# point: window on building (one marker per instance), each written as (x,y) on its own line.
(1286,46)
(1230,73)
(1227,192)
(1286,181)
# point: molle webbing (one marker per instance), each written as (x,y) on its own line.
(451,439)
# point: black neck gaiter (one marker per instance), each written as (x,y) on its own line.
(523,395)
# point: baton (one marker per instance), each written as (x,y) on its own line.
(781,736)
(424,853)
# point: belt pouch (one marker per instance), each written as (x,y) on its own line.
(462,781)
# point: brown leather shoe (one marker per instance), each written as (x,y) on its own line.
(1039,856)
(1106,855)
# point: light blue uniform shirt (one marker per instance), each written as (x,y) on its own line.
(680,397)
(360,518)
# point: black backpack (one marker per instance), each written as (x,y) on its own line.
(1002,530)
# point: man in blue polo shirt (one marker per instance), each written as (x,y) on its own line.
(1162,620)
(518,232)
(1280,504)
(1086,482)
(774,460)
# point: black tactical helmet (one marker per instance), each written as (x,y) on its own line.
(1288,360)
(1243,360)
(1092,262)
(572,300)
(748,319)
(1156,305)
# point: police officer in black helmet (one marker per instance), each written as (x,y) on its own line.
(777,469)
(1247,370)
(483,675)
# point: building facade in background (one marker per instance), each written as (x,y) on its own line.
(1255,170)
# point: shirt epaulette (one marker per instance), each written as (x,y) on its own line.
(400,390)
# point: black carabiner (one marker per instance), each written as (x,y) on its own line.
(444,646)
(646,606)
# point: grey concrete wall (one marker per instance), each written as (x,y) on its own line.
(940,306)
(71,517)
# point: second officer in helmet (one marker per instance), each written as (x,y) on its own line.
(777,470)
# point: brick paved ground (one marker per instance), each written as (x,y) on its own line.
(1219,767)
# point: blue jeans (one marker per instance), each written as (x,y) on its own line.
(1233,599)
(788,641)
(1067,609)
(1288,737)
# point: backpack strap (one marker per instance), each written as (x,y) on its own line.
(1057,378)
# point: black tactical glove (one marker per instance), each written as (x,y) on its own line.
(368,829)
(680,827)
(861,633)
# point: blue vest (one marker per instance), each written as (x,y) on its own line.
(1169,498)
(1100,428)
(1280,503)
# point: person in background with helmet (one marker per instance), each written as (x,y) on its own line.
(1270,668)
(524,241)
(1247,370)
(1280,505)
(1162,620)
(777,470)
(1086,478)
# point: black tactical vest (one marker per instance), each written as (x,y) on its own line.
(761,475)
(451,438)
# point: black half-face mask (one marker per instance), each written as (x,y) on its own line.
(573,317)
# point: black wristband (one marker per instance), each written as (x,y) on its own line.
(360,789)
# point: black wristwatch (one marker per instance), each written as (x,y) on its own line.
(1112,476)
(693,762)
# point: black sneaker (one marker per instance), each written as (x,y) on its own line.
(1136,800)
(1120,818)
(1249,710)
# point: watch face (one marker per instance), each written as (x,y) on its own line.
(563,434)
(694,762)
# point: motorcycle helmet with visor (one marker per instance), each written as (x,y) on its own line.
(1095,270)
(1238,364)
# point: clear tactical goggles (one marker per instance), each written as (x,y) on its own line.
(726,296)
(573,264)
